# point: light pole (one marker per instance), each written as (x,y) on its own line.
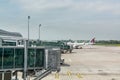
(28,29)
(39,31)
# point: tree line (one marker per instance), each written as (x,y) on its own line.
(108,42)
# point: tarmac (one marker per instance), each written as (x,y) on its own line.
(90,63)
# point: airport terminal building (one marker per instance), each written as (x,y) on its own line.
(9,38)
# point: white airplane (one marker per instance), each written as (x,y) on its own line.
(77,45)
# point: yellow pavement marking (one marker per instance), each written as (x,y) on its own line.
(57,76)
(79,75)
(69,73)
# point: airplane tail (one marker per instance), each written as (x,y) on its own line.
(92,41)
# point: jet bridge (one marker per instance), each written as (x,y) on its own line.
(13,58)
(26,59)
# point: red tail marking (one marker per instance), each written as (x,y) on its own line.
(93,40)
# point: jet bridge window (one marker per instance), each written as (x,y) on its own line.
(1,52)
(19,57)
(31,57)
(40,57)
(8,58)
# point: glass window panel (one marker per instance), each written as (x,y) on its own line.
(19,58)
(31,55)
(8,58)
(1,50)
(39,57)
(9,43)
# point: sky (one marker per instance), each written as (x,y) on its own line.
(62,19)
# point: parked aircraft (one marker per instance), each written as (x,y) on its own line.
(77,45)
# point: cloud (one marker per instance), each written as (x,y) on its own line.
(93,5)
(40,5)
(98,6)
(2,9)
(79,16)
